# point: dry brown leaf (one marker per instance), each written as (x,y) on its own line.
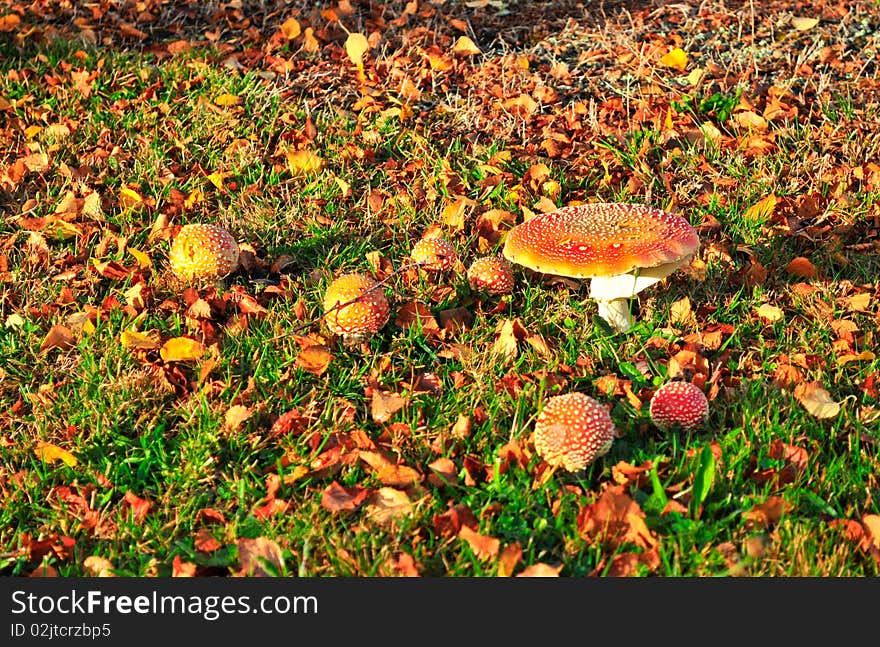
(385,404)
(510,556)
(398,475)
(484,546)
(59,336)
(260,557)
(139,506)
(387,504)
(338,498)
(763,515)
(802,267)
(816,400)
(615,519)
(236,416)
(540,570)
(871,523)
(97,566)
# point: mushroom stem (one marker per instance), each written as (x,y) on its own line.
(616,313)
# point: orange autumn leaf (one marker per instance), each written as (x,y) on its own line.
(540,570)
(338,498)
(385,404)
(260,557)
(314,359)
(303,162)
(139,506)
(484,546)
(290,28)
(802,267)
(509,558)
(615,519)
(465,47)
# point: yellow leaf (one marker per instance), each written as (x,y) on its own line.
(356,46)
(181,349)
(695,76)
(769,313)
(134,339)
(859,302)
(32,131)
(216,179)
(761,210)
(676,58)
(236,416)
(290,28)
(142,259)
(864,356)
(195,196)
(466,47)
(129,198)
(50,453)
(227,100)
(816,400)
(804,24)
(303,161)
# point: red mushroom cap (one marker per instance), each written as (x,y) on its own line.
(491,274)
(435,253)
(573,430)
(203,252)
(600,239)
(678,403)
(366,314)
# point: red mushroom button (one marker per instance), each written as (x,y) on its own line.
(491,274)
(573,430)
(354,306)
(203,252)
(436,254)
(678,403)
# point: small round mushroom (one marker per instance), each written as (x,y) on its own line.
(622,248)
(355,307)
(436,254)
(572,431)
(491,274)
(203,252)
(678,403)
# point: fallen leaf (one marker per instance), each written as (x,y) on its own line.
(139,506)
(260,557)
(181,349)
(801,267)
(290,28)
(615,519)
(385,404)
(315,359)
(129,198)
(139,340)
(816,400)
(9,22)
(180,568)
(387,504)
(761,210)
(770,314)
(804,24)
(302,162)
(236,416)
(509,558)
(484,546)
(540,570)
(50,453)
(97,566)
(227,100)
(338,498)
(59,336)
(763,515)
(465,47)
(676,58)
(356,45)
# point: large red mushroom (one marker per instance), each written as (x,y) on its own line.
(622,248)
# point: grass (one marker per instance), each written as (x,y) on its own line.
(162,433)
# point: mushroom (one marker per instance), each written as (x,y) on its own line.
(435,253)
(573,430)
(622,248)
(491,274)
(678,403)
(355,307)
(203,252)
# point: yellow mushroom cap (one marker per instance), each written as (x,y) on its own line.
(367,313)
(600,239)
(678,403)
(435,253)
(203,252)
(573,430)
(491,274)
